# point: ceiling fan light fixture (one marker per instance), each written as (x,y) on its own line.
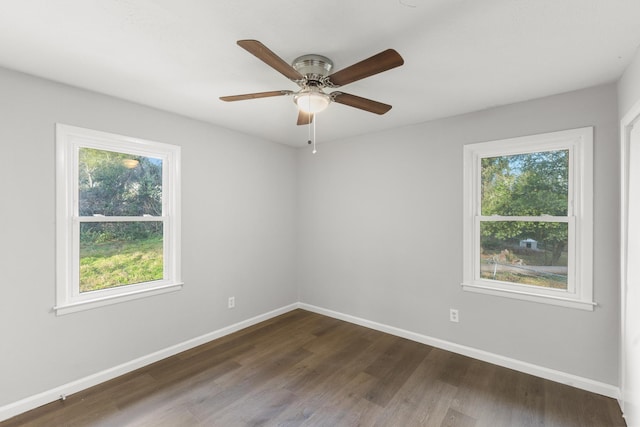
(311,100)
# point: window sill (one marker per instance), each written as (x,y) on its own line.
(530,296)
(73,307)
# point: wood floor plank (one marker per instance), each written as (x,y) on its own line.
(257,409)
(346,386)
(305,369)
(530,404)
(230,392)
(503,399)
(393,369)
(319,367)
(454,418)
(329,398)
(423,400)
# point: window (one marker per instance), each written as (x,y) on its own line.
(528,218)
(118,218)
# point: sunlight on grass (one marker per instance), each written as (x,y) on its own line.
(119,263)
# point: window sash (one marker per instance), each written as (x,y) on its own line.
(542,218)
(74,285)
(102,218)
(570,292)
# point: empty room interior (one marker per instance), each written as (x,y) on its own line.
(391,213)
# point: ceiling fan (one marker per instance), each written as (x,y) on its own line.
(311,73)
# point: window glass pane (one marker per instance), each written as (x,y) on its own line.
(120,253)
(118,184)
(530,184)
(531,253)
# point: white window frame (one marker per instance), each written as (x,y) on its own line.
(579,143)
(69,140)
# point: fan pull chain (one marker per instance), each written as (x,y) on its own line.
(314,135)
(309,129)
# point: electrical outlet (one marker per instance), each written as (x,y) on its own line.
(232,302)
(453,315)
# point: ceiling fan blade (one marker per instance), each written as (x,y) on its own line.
(359,102)
(304,118)
(256,95)
(263,53)
(383,61)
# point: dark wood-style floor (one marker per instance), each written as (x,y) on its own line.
(304,369)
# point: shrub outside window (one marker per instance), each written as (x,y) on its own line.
(528,218)
(117,218)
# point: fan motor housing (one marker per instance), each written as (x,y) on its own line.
(313,67)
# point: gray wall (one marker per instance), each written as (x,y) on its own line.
(629,86)
(238,200)
(380,235)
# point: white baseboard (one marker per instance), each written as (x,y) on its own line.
(496,359)
(56,393)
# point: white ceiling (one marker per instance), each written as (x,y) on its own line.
(460,55)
